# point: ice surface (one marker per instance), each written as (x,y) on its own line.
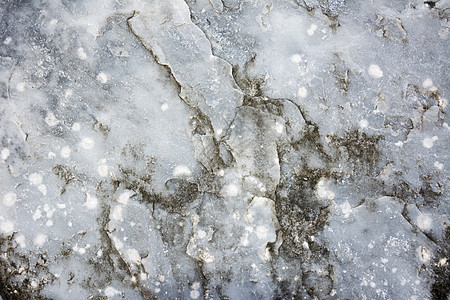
(216,149)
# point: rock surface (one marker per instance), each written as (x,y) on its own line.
(216,149)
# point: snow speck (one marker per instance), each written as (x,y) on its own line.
(296,58)
(438,165)
(20,239)
(7,41)
(81,54)
(279,127)
(195,294)
(375,71)
(424,222)
(102,170)
(305,245)
(164,107)
(346,209)
(35,178)
(125,196)
(102,77)
(49,223)
(117,213)
(110,292)
(37,214)
(48,210)
(20,86)
(9,199)
(244,240)
(302,92)
(230,190)
(53,22)
(428,85)
(323,191)
(399,144)
(312,29)
(51,120)
(68,93)
(91,201)
(65,152)
(76,127)
(40,240)
(7,226)
(429,141)
(363,123)
(43,189)
(261,232)
(181,170)
(5,153)
(201,234)
(34,284)
(133,256)
(87,143)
